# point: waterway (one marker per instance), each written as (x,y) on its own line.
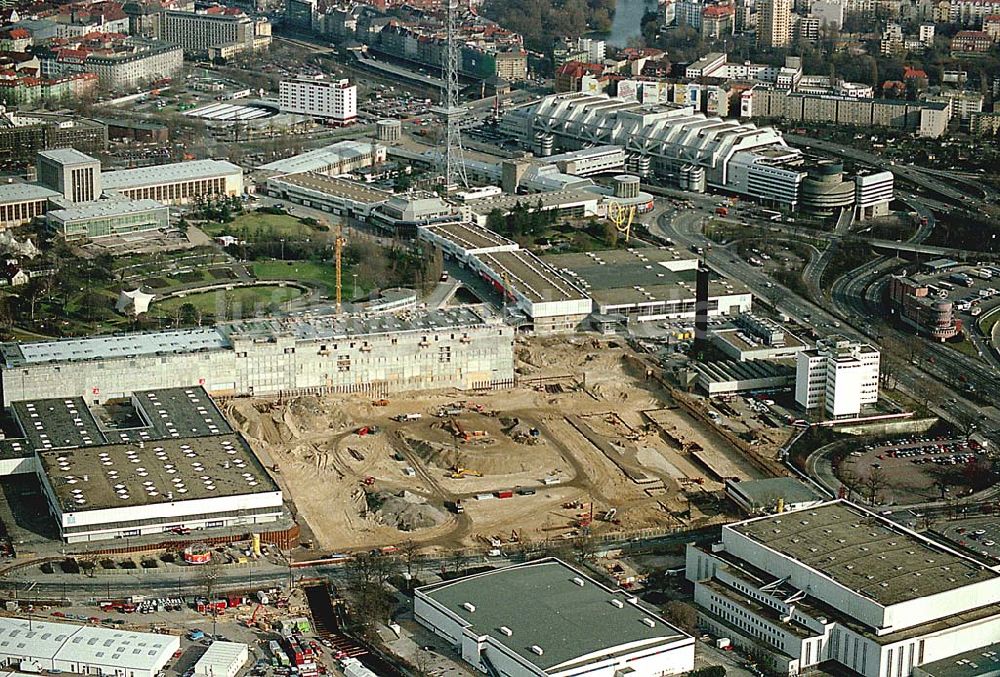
(627,22)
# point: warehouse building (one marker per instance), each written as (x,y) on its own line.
(647,284)
(178,182)
(34,646)
(223,659)
(729,377)
(342,157)
(337,196)
(835,582)
(458,347)
(178,465)
(548,618)
(543,300)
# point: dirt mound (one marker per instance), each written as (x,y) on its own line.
(491,459)
(276,423)
(404,511)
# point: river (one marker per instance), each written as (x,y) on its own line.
(627,22)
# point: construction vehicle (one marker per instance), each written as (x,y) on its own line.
(455,506)
(275,468)
(402,418)
(466,435)
(380,403)
(367,430)
(368,481)
(458,473)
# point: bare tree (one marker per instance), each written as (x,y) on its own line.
(874,483)
(683,615)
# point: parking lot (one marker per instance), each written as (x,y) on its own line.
(917,468)
(978,535)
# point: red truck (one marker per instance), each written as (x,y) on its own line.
(722,211)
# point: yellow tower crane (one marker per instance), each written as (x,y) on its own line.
(338,250)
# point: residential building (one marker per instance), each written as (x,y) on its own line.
(718,21)
(120,63)
(991,24)
(838,583)
(689,12)
(22,135)
(928,119)
(774,26)
(805,28)
(335,100)
(547,618)
(984,124)
(892,40)
(575,76)
(512,65)
(214,28)
(19,89)
(971,42)
(829,12)
(926,34)
(961,104)
(970,12)
(839,375)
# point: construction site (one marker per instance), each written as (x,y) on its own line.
(586,443)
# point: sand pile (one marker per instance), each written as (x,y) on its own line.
(404,511)
(280,423)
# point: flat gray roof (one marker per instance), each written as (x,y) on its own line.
(469,235)
(105,347)
(23,192)
(60,423)
(168,173)
(550,199)
(328,185)
(164,471)
(67,156)
(638,276)
(103,208)
(724,371)
(765,491)
(864,552)
(527,274)
(544,604)
(219,337)
(984,662)
(321,158)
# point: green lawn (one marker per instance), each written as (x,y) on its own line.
(216,303)
(309,272)
(966,347)
(989,320)
(256,224)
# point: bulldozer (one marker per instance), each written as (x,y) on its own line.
(458,472)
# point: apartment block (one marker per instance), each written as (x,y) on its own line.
(336,100)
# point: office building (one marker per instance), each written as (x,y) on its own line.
(335,100)
(75,175)
(912,301)
(105,218)
(873,192)
(300,13)
(83,649)
(839,375)
(205,32)
(774,25)
(546,618)
(22,135)
(454,348)
(736,157)
(838,583)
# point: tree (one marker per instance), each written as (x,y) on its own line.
(874,483)
(683,615)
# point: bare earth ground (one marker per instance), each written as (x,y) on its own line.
(592,446)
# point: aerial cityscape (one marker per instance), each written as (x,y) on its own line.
(518,338)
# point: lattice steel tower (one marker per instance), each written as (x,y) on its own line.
(449,110)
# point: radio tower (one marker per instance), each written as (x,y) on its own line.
(449,111)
